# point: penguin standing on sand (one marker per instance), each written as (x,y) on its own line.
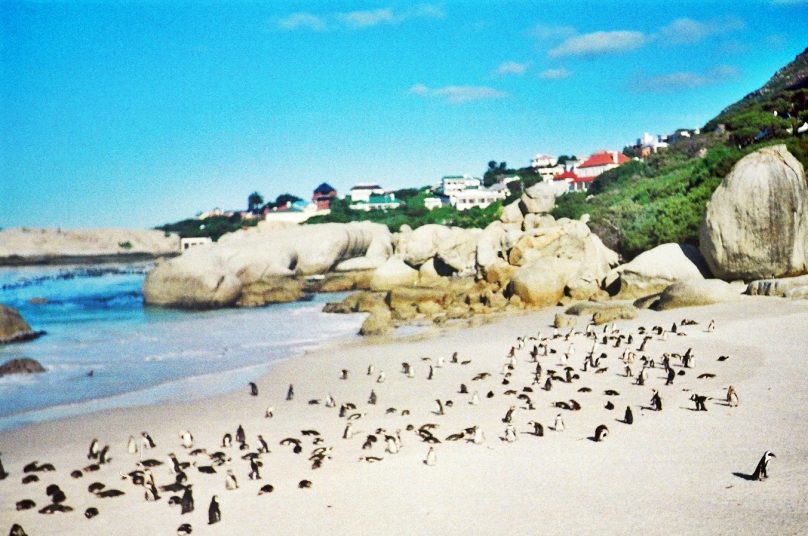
(253,389)
(214,513)
(732,397)
(431,458)
(255,474)
(761,471)
(187,501)
(629,418)
(131,446)
(290,393)
(92,453)
(230,482)
(601,432)
(656,401)
(3,473)
(671,376)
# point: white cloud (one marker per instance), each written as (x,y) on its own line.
(676,81)
(458,94)
(555,74)
(356,20)
(303,21)
(599,43)
(512,67)
(685,31)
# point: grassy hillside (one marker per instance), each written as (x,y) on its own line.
(646,203)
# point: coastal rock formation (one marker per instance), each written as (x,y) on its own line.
(654,270)
(692,293)
(538,199)
(452,248)
(786,286)
(13,328)
(756,223)
(244,268)
(21,366)
(393,273)
(602,313)
(36,246)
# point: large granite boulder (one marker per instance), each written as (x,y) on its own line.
(692,293)
(13,328)
(756,223)
(654,270)
(393,273)
(541,284)
(512,213)
(777,287)
(457,251)
(452,248)
(249,263)
(538,199)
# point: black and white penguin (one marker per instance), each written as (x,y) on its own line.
(230,482)
(131,445)
(148,440)
(372,398)
(91,512)
(187,439)
(431,457)
(290,393)
(629,417)
(253,389)
(671,376)
(17,530)
(227,440)
(699,400)
(92,452)
(262,445)
(214,513)
(187,501)
(184,530)
(538,429)
(601,432)
(3,473)
(656,401)
(761,471)
(255,473)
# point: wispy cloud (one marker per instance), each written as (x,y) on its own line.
(511,68)
(676,81)
(458,94)
(685,31)
(303,21)
(599,43)
(555,74)
(357,20)
(549,32)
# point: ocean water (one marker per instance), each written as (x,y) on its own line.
(96,321)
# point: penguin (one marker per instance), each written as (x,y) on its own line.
(431,457)
(3,473)
(656,401)
(290,393)
(699,400)
(440,407)
(240,435)
(431,372)
(253,389)
(92,453)
(263,447)
(538,429)
(629,417)
(548,385)
(214,513)
(711,326)
(509,415)
(475,399)
(343,375)
(371,370)
(671,376)
(227,440)
(184,530)
(187,501)
(372,398)
(510,434)
(269,413)
(380,378)
(187,439)
(25,504)
(131,446)
(230,482)
(732,401)
(601,432)
(329,401)
(91,512)
(761,471)
(558,426)
(151,494)
(347,433)
(255,473)
(17,530)
(463,389)
(148,439)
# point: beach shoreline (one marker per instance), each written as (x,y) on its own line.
(669,471)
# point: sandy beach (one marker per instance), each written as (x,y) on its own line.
(671,471)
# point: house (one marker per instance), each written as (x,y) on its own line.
(323,195)
(649,144)
(296,212)
(376,202)
(431,203)
(542,160)
(187,243)
(467,199)
(569,181)
(548,173)
(601,161)
(451,184)
(362,192)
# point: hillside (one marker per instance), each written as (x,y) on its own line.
(646,203)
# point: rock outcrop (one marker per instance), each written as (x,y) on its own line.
(36,246)
(654,270)
(251,267)
(756,223)
(24,365)
(692,293)
(787,286)
(393,273)
(13,328)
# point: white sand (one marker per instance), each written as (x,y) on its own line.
(671,472)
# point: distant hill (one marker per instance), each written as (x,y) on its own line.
(662,199)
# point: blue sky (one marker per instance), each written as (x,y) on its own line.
(134,114)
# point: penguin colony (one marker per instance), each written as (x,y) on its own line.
(540,376)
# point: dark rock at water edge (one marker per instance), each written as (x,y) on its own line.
(13,328)
(21,366)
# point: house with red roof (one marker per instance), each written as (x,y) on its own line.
(569,181)
(601,161)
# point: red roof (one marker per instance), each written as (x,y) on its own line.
(604,158)
(566,175)
(584,179)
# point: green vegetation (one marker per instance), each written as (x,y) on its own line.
(125,245)
(412,213)
(213,227)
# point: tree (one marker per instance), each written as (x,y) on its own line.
(254,201)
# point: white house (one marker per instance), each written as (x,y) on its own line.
(547,173)
(452,184)
(475,198)
(376,202)
(542,160)
(431,203)
(362,192)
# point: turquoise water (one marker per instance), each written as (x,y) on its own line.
(96,321)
